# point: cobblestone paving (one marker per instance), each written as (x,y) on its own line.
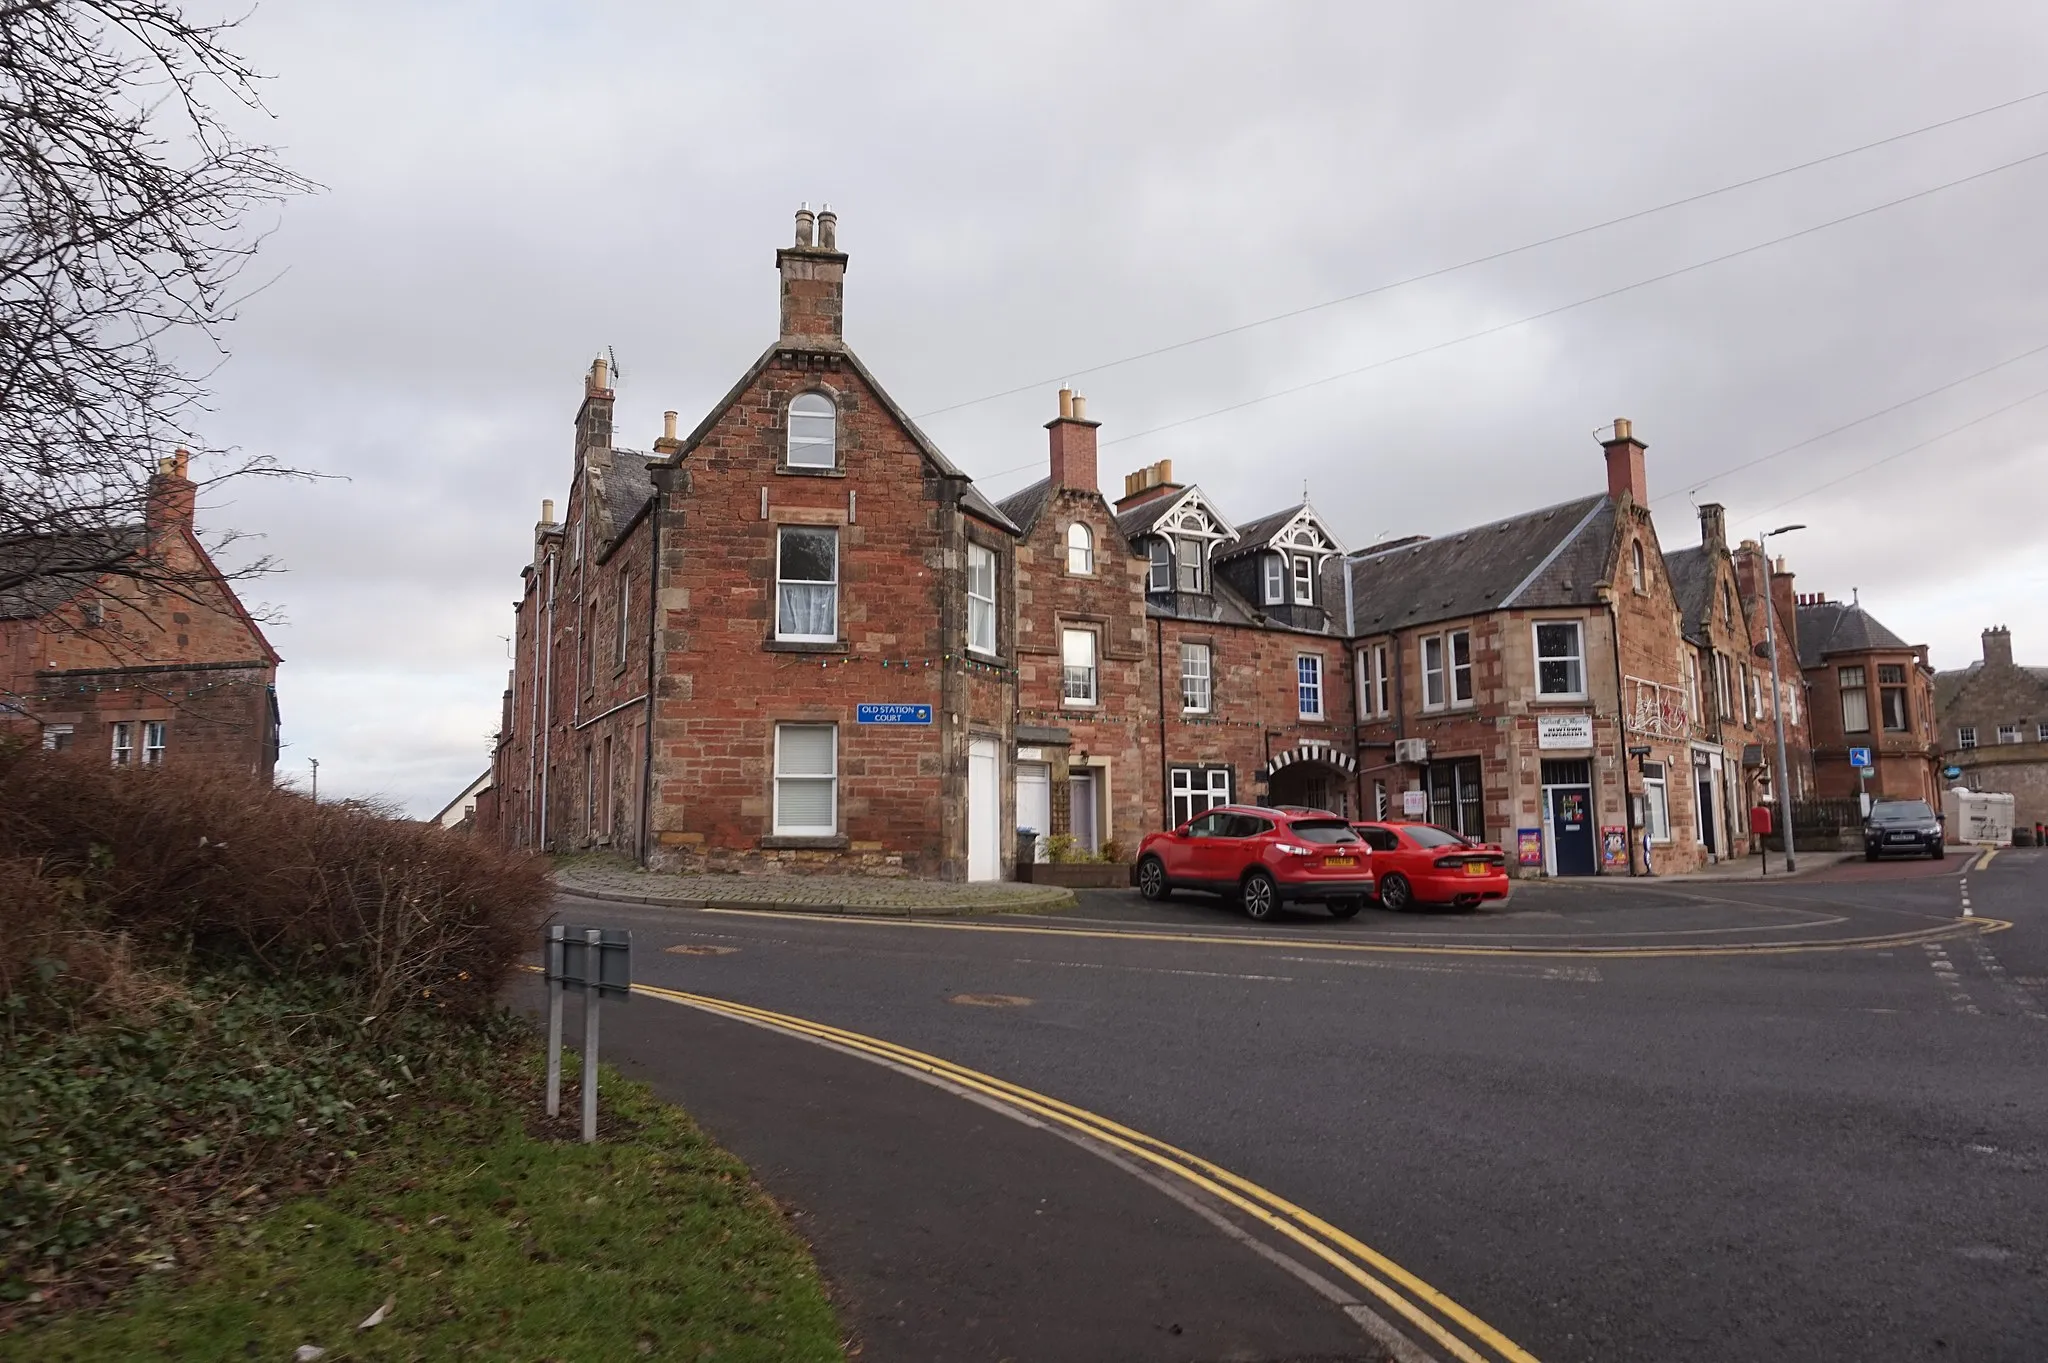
(816,894)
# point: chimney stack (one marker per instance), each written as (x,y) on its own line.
(1997,647)
(1154,480)
(172,498)
(813,280)
(1713,526)
(594,417)
(1073,444)
(668,444)
(1625,464)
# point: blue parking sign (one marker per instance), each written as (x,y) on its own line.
(1859,757)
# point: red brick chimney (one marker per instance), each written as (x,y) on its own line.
(1152,481)
(1625,464)
(1073,444)
(813,278)
(173,497)
(1787,602)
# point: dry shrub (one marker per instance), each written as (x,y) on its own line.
(92,856)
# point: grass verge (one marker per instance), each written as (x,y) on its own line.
(492,1234)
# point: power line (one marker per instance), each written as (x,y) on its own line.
(1900,454)
(1579,303)
(1441,271)
(1859,421)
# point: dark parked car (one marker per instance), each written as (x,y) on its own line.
(1902,826)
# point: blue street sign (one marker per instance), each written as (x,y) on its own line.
(1859,757)
(870,713)
(1951,773)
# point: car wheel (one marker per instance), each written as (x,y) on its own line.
(1152,879)
(1261,896)
(1870,855)
(1395,892)
(1345,908)
(1937,851)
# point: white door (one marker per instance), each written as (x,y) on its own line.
(1082,810)
(984,811)
(1034,802)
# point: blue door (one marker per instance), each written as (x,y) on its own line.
(1571,830)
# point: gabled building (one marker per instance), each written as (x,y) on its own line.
(1871,692)
(1520,682)
(1767,595)
(1086,677)
(1993,724)
(161,665)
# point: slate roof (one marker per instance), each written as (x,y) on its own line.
(1554,556)
(1142,517)
(1027,506)
(61,564)
(627,488)
(1840,627)
(1692,582)
(1253,534)
(1948,685)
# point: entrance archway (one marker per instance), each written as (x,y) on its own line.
(1312,776)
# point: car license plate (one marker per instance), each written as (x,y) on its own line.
(1899,837)
(1475,868)
(1340,861)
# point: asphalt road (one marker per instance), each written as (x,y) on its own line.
(1687,1122)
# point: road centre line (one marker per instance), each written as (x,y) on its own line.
(1414,1300)
(1149,969)
(1942,929)
(1579,974)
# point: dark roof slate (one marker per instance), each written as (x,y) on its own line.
(1026,506)
(1554,556)
(1253,534)
(1828,627)
(1692,582)
(1141,518)
(58,566)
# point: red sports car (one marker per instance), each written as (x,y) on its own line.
(1420,863)
(1265,857)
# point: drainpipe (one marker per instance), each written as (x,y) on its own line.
(1357,676)
(1628,809)
(1165,786)
(547,703)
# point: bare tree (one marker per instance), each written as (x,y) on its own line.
(125,198)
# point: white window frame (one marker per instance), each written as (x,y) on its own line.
(1275,579)
(122,747)
(1689,671)
(2008,733)
(1189,569)
(52,733)
(1195,682)
(806,407)
(1080,550)
(1657,802)
(781,532)
(1382,679)
(1093,668)
(2041,732)
(1638,571)
(1308,684)
(1184,794)
(1966,736)
(1371,662)
(1304,580)
(829,779)
(1159,555)
(1434,678)
(154,732)
(981,607)
(1577,658)
(1468,694)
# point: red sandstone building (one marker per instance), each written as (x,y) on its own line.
(799,638)
(162,665)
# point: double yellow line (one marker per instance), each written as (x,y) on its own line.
(1458,1332)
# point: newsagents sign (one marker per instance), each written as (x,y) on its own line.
(1564,731)
(872,713)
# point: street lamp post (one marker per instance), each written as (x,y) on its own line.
(316,778)
(1778,692)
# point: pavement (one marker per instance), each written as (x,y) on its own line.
(619,882)
(1698,1122)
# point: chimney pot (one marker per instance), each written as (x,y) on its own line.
(600,375)
(668,425)
(547,511)
(805,221)
(828,229)
(1066,403)
(1080,412)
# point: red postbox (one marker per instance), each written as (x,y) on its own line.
(1760,821)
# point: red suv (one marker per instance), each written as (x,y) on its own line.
(1266,857)
(1420,863)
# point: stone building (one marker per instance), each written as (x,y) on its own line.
(161,666)
(1767,596)
(1869,691)
(1994,725)
(1085,672)
(783,641)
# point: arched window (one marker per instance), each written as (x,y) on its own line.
(1636,574)
(1080,550)
(813,432)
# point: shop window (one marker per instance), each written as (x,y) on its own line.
(1456,799)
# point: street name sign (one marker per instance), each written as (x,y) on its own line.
(870,712)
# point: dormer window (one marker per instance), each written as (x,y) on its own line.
(1304,580)
(1161,577)
(1191,565)
(813,432)
(1080,550)
(1275,579)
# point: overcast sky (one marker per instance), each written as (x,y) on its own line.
(1028,192)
